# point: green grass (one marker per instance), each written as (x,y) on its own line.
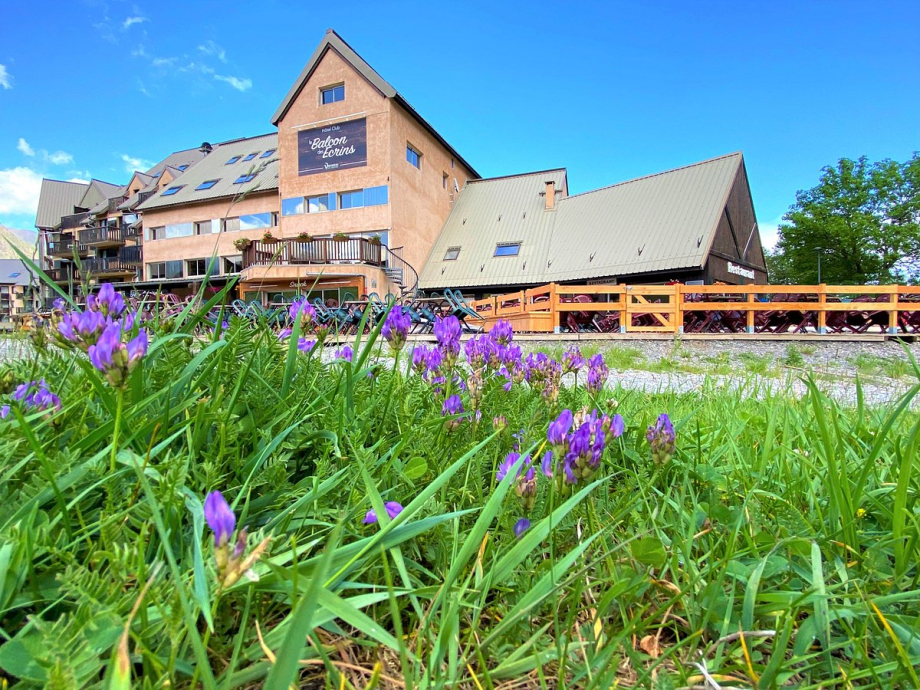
(756,364)
(874,365)
(793,520)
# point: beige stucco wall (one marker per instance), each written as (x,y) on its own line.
(418,203)
(366,279)
(203,246)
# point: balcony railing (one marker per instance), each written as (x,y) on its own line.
(63,245)
(63,275)
(73,221)
(103,236)
(127,261)
(319,251)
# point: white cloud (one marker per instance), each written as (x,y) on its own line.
(132,163)
(19,190)
(24,147)
(196,67)
(81,180)
(164,62)
(79,175)
(139,51)
(235,82)
(58,157)
(6,79)
(127,23)
(212,48)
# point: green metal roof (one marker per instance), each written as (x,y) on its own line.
(660,222)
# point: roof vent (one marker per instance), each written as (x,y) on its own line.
(699,240)
(641,249)
(499,217)
(525,214)
(481,268)
(550,195)
(206,148)
(524,267)
(464,221)
(591,258)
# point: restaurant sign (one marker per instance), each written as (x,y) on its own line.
(333,147)
(740,271)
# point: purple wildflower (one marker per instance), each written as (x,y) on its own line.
(392,507)
(447,331)
(505,465)
(345,353)
(662,439)
(35,395)
(284,333)
(396,327)
(520,527)
(107,301)
(572,360)
(114,358)
(304,311)
(501,332)
(598,372)
(559,428)
(305,346)
(59,304)
(617,426)
(220,518)
(453,405)
(81,328)
(546,466)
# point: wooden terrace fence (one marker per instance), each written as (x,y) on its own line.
(708,309)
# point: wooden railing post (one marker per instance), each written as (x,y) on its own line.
(626,314)
(893,313)
(750,314)
(822,308)
(554,307)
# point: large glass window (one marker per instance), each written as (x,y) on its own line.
(376,196)
(231,224)
(353,199)
(233,264)
(332,94)
(255,221)
(200,267)
(317,204)
(292,207)
(180,230)
(156,233)
(164,270)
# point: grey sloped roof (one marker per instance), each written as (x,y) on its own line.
(57,199)
(98,192)
(186,157)
(671,216)
(489,212)
(214,167)
(332,41)
(14,272)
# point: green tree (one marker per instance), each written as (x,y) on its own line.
(862,222)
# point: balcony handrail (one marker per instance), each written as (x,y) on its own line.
(288,252)
(103,233)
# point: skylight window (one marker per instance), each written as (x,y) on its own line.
(509,249)
(250,156)
(267,153)
(206,185)
(183,167)
(232,160)
(452,254)
(242,179)
(172,190)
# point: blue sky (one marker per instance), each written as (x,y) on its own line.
(610,90)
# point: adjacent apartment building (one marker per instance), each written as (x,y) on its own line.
(356,193)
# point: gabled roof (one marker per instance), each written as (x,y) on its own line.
(57,199)
(655,223)
(186,157)
(214,167)
(332,41)
(97,192)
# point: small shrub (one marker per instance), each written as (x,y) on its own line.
(756,364)
(793,357)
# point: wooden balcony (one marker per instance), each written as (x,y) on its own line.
(62,245)
(126,263)
(295,252)
(103,236)
(64,274)
(73,221)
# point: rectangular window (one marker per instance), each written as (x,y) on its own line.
(232,160)
(196,267)
(164,270)
(317,204)
(242,179)
(353,199)
(250,156)
(180,230)
(172,190)
(509,249)
(157,233)
(332,94)
(376,196)
(206,185)
(444,181)
(233,264)
(413,156)
(231,224)
(204,227)
(292,207)
(255,221)
(267,153)
(452,254)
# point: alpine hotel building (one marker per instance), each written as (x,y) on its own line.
(357,193)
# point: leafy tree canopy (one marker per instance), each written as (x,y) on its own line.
(862,219)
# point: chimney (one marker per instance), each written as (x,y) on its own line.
(205,148)
(550,195)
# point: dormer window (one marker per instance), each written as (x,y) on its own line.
(332,94)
